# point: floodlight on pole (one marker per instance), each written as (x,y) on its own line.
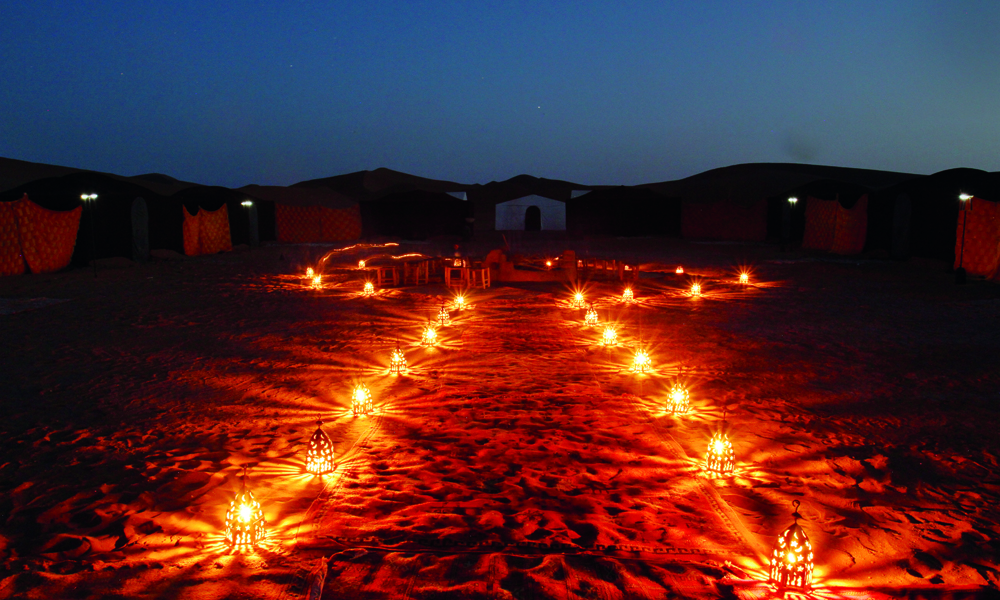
(89,199)
(963,198)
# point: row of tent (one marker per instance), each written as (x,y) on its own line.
(862,211)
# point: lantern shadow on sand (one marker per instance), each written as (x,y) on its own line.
(244,519)
(792,558)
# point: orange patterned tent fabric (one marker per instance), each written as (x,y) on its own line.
(11,259)
(207,232)
(982,238)
(36,237)
(310,224)
(724,221)
(832,228)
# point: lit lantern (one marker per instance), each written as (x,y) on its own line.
(578,300)
(457,262)
(696,289)
(720,458)
(444,319)
(361,400)
(641,362)
(429,336)
(317,281)
(244,519)
(460,302)
(397,361)
(627,295)
(369,289)
(591,316)
(744,278)
(679,401)
(610,336)
(792,559)
(548,264)
(679,270)
(361,264)
(310,272)
(319,454)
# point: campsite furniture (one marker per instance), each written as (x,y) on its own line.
(455,276)
(382,272)
(479,276)
(416,269)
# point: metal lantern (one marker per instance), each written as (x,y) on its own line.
(792,559)
(695,289)
(429,336)
(319,454)
(641,362)
(744,278)
(610,335)
(720,458)
(627,296)
(317,281)
(578,300)
(369,289)
(591,316)
(244,519)
(361,264)
(310,272)
(397,361)
(361,400)
(679,401)
(459,302)
(444,319)
(679,270)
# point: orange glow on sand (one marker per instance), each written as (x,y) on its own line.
(610,335)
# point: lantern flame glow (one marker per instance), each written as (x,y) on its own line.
(720,458)
(444,318)
(679,401)
(317,281)
(744,278)
(361,400)
(627,295)
(610,336)
(591,317)
(397,361)
(429,336)
(641,362)
(696,289)
(361,264)
(679,270)
(578,300)
(792,559)
(319,453)
(459,302)
(244,520)
(548,264)
(369,289)
(310,272)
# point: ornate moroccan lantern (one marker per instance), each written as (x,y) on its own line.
(369,289)
(792,559)
(310,272)
(679,401)
(548,264)
(459,302)
(627,296)
(641,362)
(317,281)
(696,289)
(679,270)
(361,264)
(720,458)
(610,335)
(591,316)
(361,400)
(444,319)
(319,454)
(744,278)
(429,336)
(397,361)
(578,300)
(244,519)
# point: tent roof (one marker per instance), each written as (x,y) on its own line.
(299,196)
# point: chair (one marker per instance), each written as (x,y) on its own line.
(450,272)
(416,268)
(479,276)
(382,272)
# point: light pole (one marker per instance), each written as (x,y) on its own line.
(89,200)
(960,271)
(786,222)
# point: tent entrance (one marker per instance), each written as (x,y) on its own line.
(533,219)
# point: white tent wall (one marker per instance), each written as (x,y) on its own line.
(510,214)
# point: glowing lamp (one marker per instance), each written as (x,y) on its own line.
(792,559)
(744,278)
(965,197)
(641,362)
(627,295)
(319,454)
(591,317)
(244,519)
(578,300)
(793,200)
(429,336)
(361,264)
(444,319)
(548,264)
(679,401)
(317,280)
(369,289)
(679,270)
(310,272)
(460,302)
(696,289)
(361,400)
(247,203)
(720,458)
(397,361)
(610,336)
(457,262)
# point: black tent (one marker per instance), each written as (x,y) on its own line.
(415,215)
(623,211)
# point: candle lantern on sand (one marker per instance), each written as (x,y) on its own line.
(744,278)
(679,270)
(627,296)
(361,400)
(429,336)
(578,300)
(720,459)
(310,272)
(459,302)
(591,317)
(361,264)
(695,289)
(792,559)
(319,454)
(679,401)
(369,289)
(610,335)
(244,519)
(397,361)
(317,280)
(641,362)
(444,319)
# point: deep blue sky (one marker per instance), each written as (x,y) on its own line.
(231,93)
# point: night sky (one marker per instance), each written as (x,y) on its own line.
(230,93)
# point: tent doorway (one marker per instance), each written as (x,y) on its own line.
(533,219)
